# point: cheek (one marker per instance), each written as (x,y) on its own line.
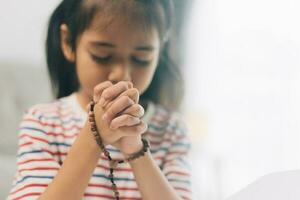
(89,73)
(142,78)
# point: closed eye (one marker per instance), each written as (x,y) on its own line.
(140,61)
(101,59)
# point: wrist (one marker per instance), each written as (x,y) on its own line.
(88,138)
(140,153)
(134,148)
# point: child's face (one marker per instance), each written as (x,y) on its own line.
(119,52)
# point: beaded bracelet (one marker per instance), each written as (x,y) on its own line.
(112,163)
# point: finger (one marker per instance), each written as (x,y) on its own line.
(114,91)
(124,120)
(130,84)
(134,130)
(118,106)
(136,110)
(98,89)
(132,93)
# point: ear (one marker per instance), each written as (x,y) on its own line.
(65,44)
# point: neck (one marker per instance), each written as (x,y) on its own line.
(83,99)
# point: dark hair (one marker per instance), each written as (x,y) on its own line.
(166,87)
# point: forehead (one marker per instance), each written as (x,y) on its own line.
(121,30)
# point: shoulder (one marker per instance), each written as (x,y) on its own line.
(46,123)
(47,111)
(42,109)
(52,110)
(51,116)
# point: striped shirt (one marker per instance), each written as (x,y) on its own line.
(48,130)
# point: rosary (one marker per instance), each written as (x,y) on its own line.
(112,163)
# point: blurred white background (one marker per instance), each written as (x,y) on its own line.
(243,78)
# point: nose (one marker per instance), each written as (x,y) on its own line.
(119,73)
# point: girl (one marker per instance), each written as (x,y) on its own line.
(108,52)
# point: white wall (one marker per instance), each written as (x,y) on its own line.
(243,76)
(23,30)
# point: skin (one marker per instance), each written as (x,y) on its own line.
(120,65)
(119,83)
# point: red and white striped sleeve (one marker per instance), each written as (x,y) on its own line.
(177,164)
(36,165)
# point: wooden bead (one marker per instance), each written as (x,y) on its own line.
(113,164)
(106,153)
(98,138)
(92,106)
(93,123)
(98,142)
(95,133)
(91,119)
(93,128)
(91,114)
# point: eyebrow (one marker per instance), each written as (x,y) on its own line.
(110,45)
